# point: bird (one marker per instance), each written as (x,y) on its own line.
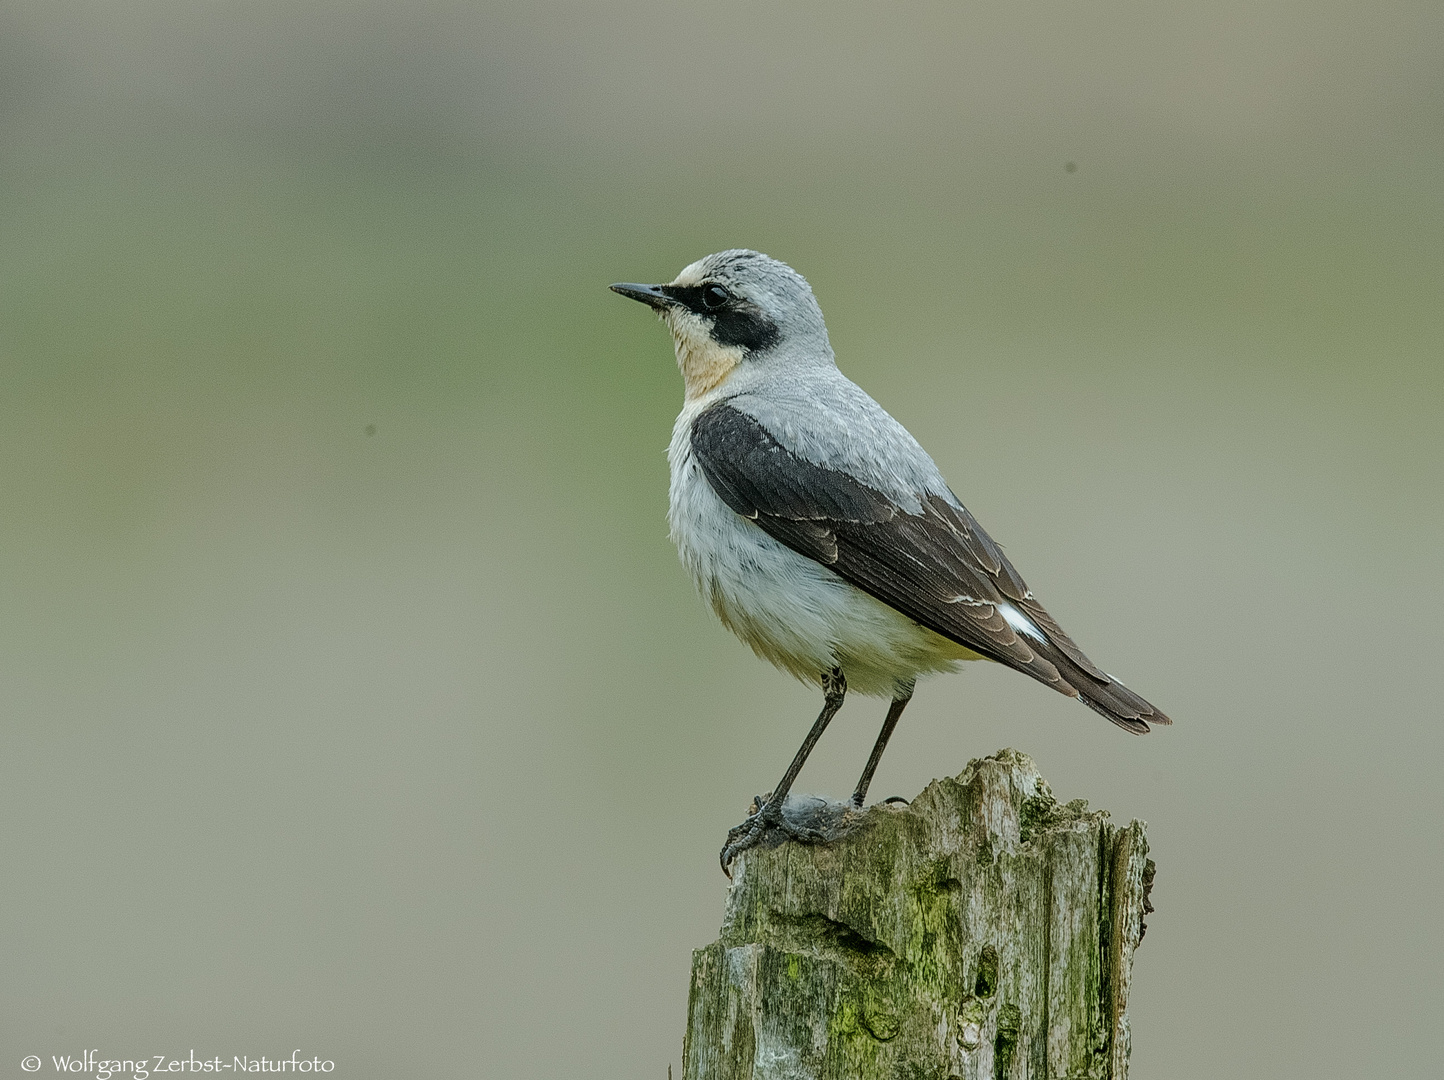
(821,533)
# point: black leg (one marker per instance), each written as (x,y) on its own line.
(750,832)
(893,713)
(834,688)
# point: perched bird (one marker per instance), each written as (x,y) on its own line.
(818,529)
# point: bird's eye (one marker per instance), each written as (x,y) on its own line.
(714,296)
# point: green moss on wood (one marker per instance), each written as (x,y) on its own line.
(984,932)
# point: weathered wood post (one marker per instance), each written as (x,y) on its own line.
(983,932)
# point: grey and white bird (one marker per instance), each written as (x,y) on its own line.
(820,532)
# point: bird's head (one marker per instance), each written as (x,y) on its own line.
(734,309)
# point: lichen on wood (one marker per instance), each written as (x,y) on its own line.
(983,932)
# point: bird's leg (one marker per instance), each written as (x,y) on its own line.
(894,711)
(750,832)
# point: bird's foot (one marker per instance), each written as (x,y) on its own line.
(856,803)
(762,815)
(808,819)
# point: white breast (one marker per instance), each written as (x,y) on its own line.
(791,610)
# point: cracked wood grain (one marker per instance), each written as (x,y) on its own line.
(985,932)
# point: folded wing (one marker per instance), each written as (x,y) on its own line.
(936,566)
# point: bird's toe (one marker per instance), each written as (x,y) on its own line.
(740,838)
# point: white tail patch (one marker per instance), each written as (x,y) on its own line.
(1021,623)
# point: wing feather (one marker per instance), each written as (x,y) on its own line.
(936,566)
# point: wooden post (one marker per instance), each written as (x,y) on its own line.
(983,932)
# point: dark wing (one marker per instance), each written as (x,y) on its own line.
(938,567)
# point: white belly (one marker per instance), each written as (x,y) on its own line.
(791,610)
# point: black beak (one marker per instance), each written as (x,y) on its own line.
(651,295)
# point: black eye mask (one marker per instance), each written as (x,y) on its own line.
(734,321)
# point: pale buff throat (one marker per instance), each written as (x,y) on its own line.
(705,364)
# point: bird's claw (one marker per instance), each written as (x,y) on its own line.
(806,819)
(750,833)
(858,807)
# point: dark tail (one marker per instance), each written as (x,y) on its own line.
(1098,690)
(1121,705)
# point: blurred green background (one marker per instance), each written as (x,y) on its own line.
(353,697)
